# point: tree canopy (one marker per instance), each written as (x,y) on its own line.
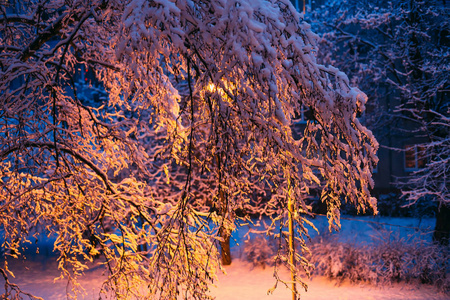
(196,127)
(398,52)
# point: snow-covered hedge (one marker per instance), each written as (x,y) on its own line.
(260,251)
(387,259)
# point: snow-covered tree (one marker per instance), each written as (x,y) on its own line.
(197,125)
(399,53)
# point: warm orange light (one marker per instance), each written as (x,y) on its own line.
(229,86)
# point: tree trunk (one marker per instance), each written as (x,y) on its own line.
(442,230)
(291,242)
(225,245)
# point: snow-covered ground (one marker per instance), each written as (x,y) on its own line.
(243,280)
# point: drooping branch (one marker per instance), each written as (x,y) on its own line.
(62,148)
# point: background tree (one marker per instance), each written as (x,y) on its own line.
(200,101)
(398,52)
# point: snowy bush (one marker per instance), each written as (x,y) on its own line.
(342,261)
(388,259)
(260,251)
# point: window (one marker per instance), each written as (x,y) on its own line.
(414,157)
